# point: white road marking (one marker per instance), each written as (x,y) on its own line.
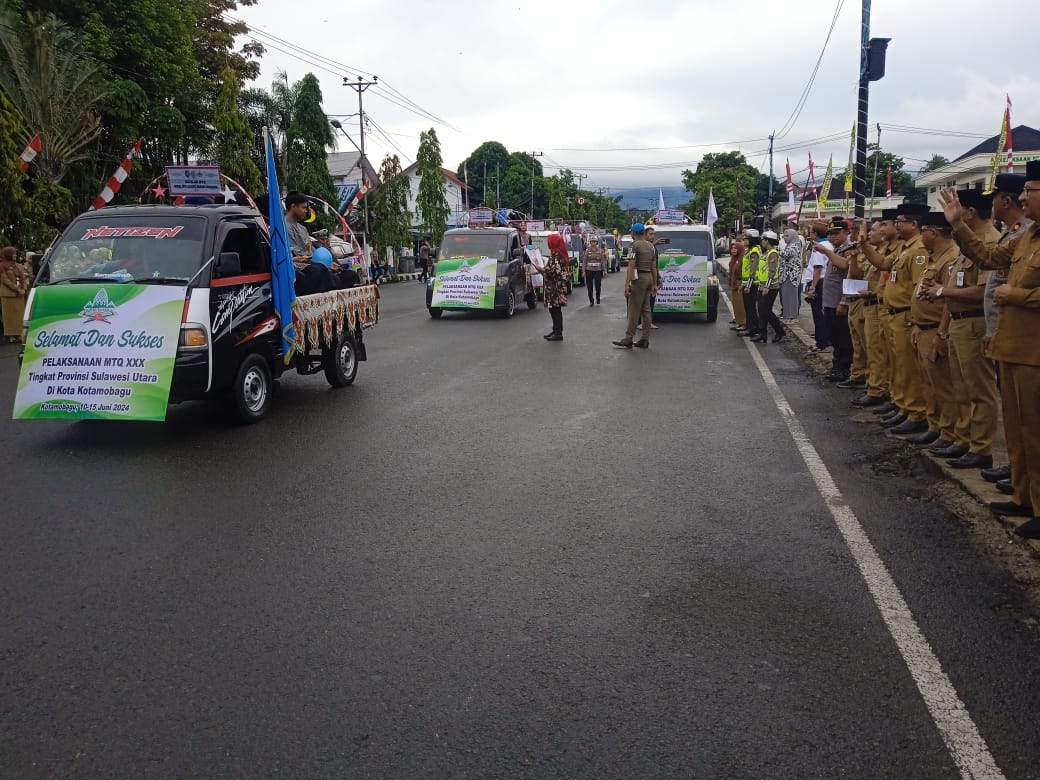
(967,748)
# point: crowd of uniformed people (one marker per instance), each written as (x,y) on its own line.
(939,329)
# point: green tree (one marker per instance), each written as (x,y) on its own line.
(308,139)
(520,179)
(391,221)
(432,198)
(558,203)
(487,161)
(233,141)
(936,161)
(733,182)
(54,91)
(11,177)
(902,183)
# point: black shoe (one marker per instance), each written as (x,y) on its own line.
(887,408)
(835,376)
(892,422)
(1005,486)
(1029,529)
(779,337)
(997,473)
(950,453)
(910,427)
(598,303)
(555,337)
(757,340)
(868,400)
(972,460)
(940,444)
(927,438)
(852,384)
(623,343)
(1010,509)
(642,344)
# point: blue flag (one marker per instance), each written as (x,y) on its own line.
(283,272)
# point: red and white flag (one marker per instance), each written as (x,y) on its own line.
(812,181)
(792,212)
(29,154)
(117,179)
(1007,122)
(357,197)
(888,184)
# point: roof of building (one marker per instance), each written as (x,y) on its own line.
(1023,137)
(449,175)
(342,163)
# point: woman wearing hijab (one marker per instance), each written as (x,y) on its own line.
(790,275)
(14,289)
(554,271)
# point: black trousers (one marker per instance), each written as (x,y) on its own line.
(841,340)
(751,308)
(593,278)
(766,315)
(557,320)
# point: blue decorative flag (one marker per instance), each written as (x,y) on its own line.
(283,272)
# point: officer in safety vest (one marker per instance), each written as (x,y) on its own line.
(749,276)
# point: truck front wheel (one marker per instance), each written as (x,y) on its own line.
(252,388)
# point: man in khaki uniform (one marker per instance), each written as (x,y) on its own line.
(857,320)
(964,324)
(891,249)
(641,282)
(877,355)
(1015,345)
(904,274)
(933,357)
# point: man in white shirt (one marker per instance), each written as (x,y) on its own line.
(813,279)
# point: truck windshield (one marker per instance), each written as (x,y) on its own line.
(473,244)
(697,244)
(127,249)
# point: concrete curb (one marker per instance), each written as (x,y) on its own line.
(970,480)
(400,278)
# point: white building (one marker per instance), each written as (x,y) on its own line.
(974,168)
(347,172)
(455,193)
(837,204)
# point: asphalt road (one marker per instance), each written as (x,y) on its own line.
(494,556)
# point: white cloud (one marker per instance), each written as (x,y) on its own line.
(545,75)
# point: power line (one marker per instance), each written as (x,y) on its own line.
(796,112)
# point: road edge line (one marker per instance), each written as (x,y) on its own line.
(962,738)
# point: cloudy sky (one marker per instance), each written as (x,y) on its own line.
(631,99)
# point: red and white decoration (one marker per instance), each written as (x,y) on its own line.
(117,179)
(34,148)
(888,184)
(362,190)
(1007,122)
(792,212)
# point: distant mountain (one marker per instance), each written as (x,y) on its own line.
(646,197)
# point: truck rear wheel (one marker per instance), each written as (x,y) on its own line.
(251,390)
(532,300)
(435,313)
(507,312)
(341,361)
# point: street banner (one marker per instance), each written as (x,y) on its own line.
(684,284)
(533,225)
(100,352)
(669,217)
(465,283)
(481,216)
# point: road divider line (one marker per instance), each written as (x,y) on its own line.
(965,744)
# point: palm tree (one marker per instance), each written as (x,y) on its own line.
(54,88)
(274,110)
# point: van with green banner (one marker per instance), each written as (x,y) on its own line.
(139,307)
(480,269)
(686,264)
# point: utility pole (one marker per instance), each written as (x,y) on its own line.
(533,155)
(771,173)
(498,187)
(877,159)
(580,177)
(740,206)
(360,86)
(485,184)
(871,68)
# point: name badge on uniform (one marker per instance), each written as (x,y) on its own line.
(960,278)
(894,276)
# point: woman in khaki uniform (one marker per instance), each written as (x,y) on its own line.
(14,289)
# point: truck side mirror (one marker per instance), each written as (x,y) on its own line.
(229,264)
